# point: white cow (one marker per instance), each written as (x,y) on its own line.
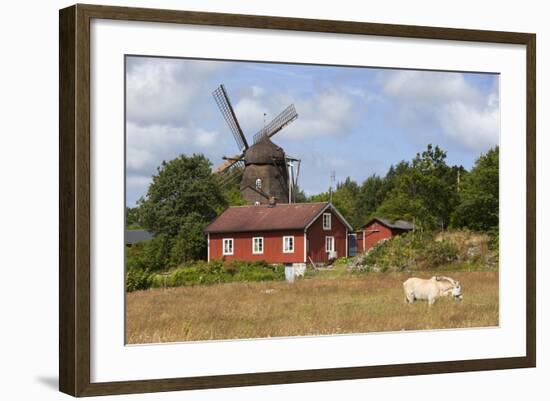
(432,289)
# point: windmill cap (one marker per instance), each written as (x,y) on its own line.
(263,152)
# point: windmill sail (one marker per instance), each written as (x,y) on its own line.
(230,162)
(284,118)
(262,162)
(222,100)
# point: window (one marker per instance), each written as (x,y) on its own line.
(327,221)
(228,246)
(329,244)
(288,244)
(257,245)
(258,183)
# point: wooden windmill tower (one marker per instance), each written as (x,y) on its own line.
(267,172)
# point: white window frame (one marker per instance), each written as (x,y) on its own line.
(326,243)
(329,225)
(232,246)
(254,251)
(285,250)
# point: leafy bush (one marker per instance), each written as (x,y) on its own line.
(216,271)
(412,251)
(137,279)
(436,253)
(152,255)
(450,250)
(342,260)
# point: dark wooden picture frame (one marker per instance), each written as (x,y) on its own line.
(74,202)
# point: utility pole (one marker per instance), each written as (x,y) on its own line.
(332,180)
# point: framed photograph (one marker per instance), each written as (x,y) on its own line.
(250,200)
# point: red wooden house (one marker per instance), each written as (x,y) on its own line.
(279,233)
(379,229)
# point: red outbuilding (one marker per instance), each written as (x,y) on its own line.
(279,233)
(379,229)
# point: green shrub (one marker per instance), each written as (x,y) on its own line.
(437,253)
(137,279)
(217,271)
(343,260)
(494,240)
(412,251)
(232,267)
(152,255)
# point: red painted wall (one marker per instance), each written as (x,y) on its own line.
(316,239)
(273,247)
(374,233)
(359,242)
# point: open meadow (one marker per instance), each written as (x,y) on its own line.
(326,304)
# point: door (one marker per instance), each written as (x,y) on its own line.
(352,244)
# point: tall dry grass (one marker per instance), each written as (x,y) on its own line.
(350,304)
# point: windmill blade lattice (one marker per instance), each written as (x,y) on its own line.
(284,118)
(222,100)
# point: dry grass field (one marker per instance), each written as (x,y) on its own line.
(333,304)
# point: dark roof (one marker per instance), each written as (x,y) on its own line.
(133,236)
(263,152)
(295,216)
(397,224)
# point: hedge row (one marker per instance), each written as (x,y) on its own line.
(214,272)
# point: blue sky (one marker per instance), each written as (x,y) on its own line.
(355,121)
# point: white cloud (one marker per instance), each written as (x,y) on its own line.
(425,86)
(447,102)
(148,146)
(161,99)
(162,91)
(327,113)
(474,127)
(257,91)
(250,114)
(137,181)
(277,71)
(138,159)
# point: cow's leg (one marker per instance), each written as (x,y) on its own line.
(409,298)
(431,301)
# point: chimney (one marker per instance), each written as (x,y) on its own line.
(272,201)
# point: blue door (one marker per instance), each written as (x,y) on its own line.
(352,244)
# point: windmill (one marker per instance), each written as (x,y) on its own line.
(265,170)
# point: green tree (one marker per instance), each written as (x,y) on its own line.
(370,196)
(152,255)
(229,182)
(345,200)
(132,218)
(479,195)
(424,190)
(182,187)
(406,201)
(233,197)
(320,197)
(299,195)
(438,184)
(392,176)
(189,244)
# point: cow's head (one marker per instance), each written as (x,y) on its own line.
(457,291)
